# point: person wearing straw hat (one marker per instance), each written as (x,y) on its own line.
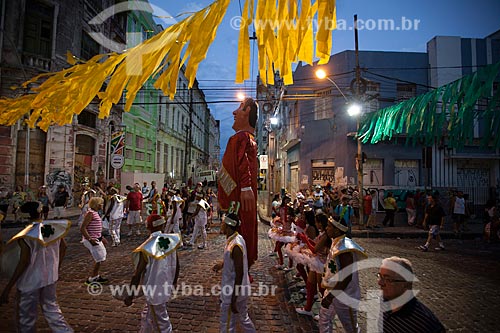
(200,221)
(340,279)
(235,286)
(32,259)
(115,214)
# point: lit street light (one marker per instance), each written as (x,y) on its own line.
(354,110)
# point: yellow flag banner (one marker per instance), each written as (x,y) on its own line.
(284,31)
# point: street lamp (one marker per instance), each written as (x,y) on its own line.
(354,110)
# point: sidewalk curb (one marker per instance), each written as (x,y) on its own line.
(409,233)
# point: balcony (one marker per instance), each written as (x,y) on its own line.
(37,62)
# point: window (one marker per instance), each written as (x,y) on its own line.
(405,91)
(165,158)
(90,47)
(140,142)
(139,156)
(323,105)
(87,118)
(373,171)
(38,29)
(406,172)
(85,145)
(372,89)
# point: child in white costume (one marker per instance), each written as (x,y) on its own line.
(157,270)
(235,284)
(200,217)
(35,254)
(341,280)
(173,225)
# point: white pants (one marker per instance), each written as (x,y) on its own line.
(198,228)
(114,230)
(27,311)
(173,227)
(228,319)
(347,315)
(155,318)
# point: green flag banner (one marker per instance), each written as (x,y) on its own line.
(462,103)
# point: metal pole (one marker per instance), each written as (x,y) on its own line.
(27,159)
(360,153)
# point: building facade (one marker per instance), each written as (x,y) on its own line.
(473,169)
(35,36)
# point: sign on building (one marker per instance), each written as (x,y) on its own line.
(263,162)
(117,149)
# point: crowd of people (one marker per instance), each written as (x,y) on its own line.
(318,245)
(314,230)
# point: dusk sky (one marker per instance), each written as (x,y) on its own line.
(463,18)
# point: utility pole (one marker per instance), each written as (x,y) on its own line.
(187,153)
(359,156)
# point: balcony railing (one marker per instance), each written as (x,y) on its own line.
(37,62)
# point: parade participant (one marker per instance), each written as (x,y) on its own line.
(91,230)
(314,256)
(303,225)
(238,176)
(191,204)
(157,270)
(210,196)
(42,248)
(156,206)
(275,206)
(173,225)
(401,310)
(434,217)
(87,194)
(235,283)
(200,221)
(114,215)
(341,280)
(281,231)
(133,208)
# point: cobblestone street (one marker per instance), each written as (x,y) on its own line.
(460,285)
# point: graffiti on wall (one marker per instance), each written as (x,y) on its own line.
(473,177)
(59,177)
(323,175)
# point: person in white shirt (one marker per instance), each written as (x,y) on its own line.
(36,270)
(114,214)
(200,218)
(157,270)
(235,284)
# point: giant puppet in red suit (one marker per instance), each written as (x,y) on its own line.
(238,176)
